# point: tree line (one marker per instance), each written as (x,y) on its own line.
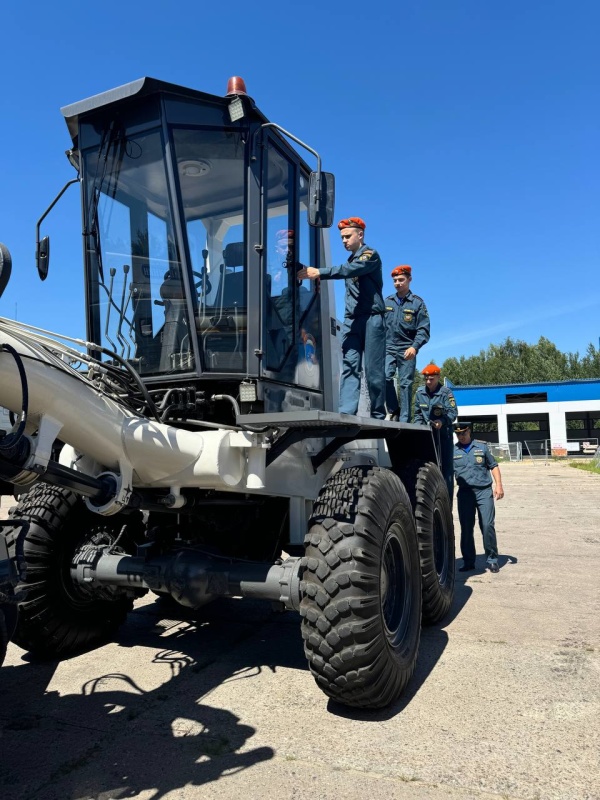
(515,361)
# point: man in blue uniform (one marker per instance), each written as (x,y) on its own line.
(407,322)
(473,464)
(435,405)
(364,324)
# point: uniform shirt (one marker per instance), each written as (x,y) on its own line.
(439,405)
(364,282)
(407,322)
(472,465)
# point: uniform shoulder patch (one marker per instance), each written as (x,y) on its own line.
(368,252)
(423,306)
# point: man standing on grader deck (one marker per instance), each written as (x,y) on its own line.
(407,322)
(364,323)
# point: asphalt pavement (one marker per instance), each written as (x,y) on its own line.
(505,701)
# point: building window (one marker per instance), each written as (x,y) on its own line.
(484,427)
(532,425)
(531,397)
(582,424)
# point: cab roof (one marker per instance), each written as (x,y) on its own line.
(138,88)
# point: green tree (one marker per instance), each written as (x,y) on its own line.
(516,361)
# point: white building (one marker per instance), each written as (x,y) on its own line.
(545,417)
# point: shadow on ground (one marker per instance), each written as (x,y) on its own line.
(113,739)
(481,566)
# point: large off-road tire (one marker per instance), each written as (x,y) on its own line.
(57,617)
(428,494)
(361,588)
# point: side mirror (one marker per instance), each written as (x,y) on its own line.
(5,267)
(321,193)
(42,257)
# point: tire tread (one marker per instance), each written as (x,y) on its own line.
(48,624)
(342,628)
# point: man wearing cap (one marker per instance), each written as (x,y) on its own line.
(284,297)
(280,308)
(407,322)
(364,324)
(473,464)
(435,405)
(284,252)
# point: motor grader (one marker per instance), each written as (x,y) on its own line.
(191,445)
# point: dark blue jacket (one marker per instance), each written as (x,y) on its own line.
(364,283)
(407,322)
(439,405)
(473,468)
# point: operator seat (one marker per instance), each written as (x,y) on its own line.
(222,324)
(173,342)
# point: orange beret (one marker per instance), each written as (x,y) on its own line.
(431,369)
(402,270)
(352,222)
(284,234)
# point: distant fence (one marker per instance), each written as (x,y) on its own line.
(511,451)
(582,447)
(567,448)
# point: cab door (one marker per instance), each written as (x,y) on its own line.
(291,318)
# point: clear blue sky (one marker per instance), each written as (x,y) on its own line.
(465,132)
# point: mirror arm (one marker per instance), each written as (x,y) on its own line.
(50,207)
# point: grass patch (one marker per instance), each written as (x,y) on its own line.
(587,466)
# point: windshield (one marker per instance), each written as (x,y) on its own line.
(137,302)
(210,165)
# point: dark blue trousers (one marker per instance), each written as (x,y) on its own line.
(364,338)
(469,500)
(406,377)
